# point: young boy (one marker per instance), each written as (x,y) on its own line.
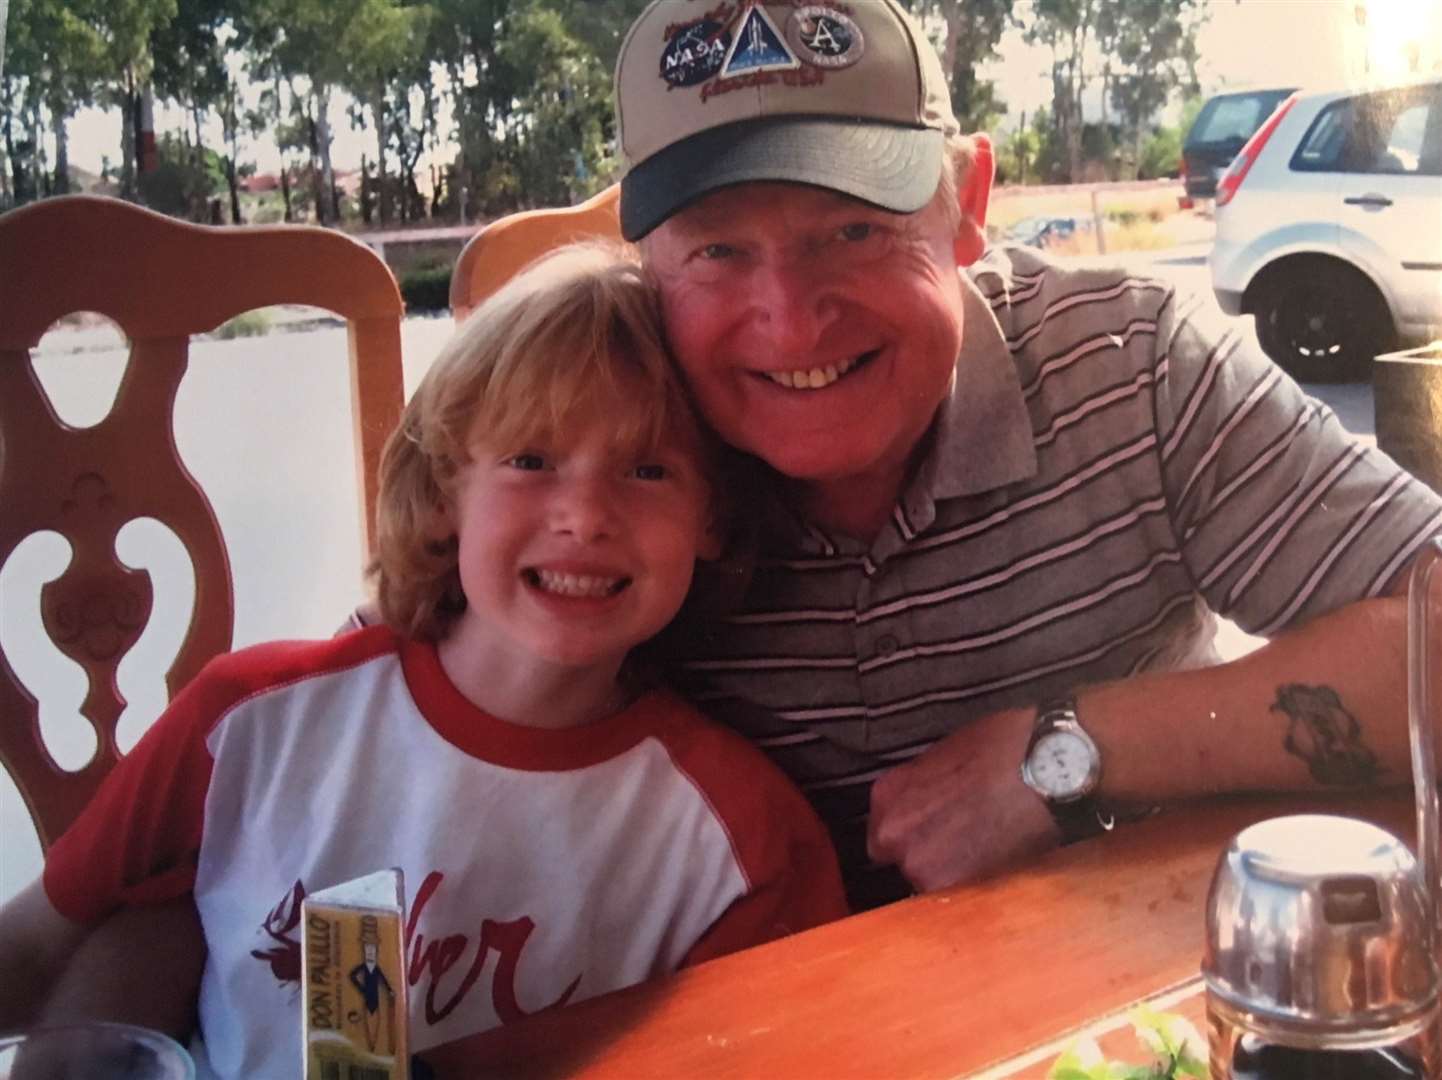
(564,828)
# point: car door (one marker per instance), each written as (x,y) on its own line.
(1391,198)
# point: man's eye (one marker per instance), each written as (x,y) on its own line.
(857,231)
(714,252)
(651,472)
(526,462)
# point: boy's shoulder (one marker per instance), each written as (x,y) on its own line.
(256,669)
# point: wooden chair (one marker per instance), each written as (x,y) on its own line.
(506,245)
(161,280)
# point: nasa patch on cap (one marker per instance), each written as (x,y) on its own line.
(824,36)
(695,54)
(843,95)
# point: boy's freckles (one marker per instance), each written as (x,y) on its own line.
(571,557)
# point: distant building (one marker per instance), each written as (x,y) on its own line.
(260,182)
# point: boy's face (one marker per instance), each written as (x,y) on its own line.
(571,552)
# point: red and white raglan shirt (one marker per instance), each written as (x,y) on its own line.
(541,866)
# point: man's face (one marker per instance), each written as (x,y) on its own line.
(816,332)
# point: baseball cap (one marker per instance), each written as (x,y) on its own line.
(848,96)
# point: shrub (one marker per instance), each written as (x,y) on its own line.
(426,288)
(246,324)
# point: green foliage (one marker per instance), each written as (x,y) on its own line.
(1176,1048)
(426,288)
(526,85)
(1161,153)
(183,182)
(247,324)
(1150,50)
(968,32)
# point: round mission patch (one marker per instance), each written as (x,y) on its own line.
(824,37)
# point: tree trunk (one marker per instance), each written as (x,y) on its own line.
(284,167)
(322,134)
(147,156)
(62,152)
(953,36)
(7,132)
(378,117)
(367,191)
(129,136)
(231,125)
(317,180)
(285,190)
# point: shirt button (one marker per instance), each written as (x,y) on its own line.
(885,645)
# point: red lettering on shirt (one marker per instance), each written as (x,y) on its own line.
(505,939)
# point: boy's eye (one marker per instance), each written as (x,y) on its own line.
(651,471)
(527,462)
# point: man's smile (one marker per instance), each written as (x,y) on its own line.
(818,378)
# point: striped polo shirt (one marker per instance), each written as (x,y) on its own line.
(1112,465)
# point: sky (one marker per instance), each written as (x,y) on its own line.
(1245,42)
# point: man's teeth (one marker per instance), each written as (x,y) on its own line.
(578,584)
(813,379)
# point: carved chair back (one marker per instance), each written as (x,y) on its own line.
(505,246)
(161,281)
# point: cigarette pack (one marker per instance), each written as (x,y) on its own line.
(353,985)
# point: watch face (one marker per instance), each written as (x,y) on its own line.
(1060,764)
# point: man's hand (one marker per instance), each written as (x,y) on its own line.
(960,811)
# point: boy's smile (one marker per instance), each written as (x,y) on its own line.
(571,552)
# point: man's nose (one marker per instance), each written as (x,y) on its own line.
(585,509)
(792,304)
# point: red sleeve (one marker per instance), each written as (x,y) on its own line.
(801,891)
(138,839)
(793,879)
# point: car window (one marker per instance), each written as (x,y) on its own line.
(1392,132)
(1230,119)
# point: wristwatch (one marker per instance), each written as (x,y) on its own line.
(1064,766)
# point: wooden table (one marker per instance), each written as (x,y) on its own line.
(947,985)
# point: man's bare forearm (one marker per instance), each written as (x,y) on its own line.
(1321,707)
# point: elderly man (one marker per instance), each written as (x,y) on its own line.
(1010,496)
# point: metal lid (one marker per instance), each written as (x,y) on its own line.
(1317,922)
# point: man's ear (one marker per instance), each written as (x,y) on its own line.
(974,196)
(711,543)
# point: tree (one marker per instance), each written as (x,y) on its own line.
(57,54)
(1066,26)
(558,109)
(385,48)
(1155,43)
(971,31)
(1148,48)
(299,40)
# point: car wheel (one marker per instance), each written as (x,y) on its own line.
(1322,323)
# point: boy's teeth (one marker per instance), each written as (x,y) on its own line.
(812,379)
(576,584)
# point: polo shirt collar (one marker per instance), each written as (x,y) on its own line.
(982,437)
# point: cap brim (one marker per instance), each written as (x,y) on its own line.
(895,168)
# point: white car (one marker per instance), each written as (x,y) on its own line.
(1329,228)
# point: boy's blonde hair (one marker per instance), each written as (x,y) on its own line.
(574,338)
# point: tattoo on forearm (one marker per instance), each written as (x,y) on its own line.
(1326,736)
